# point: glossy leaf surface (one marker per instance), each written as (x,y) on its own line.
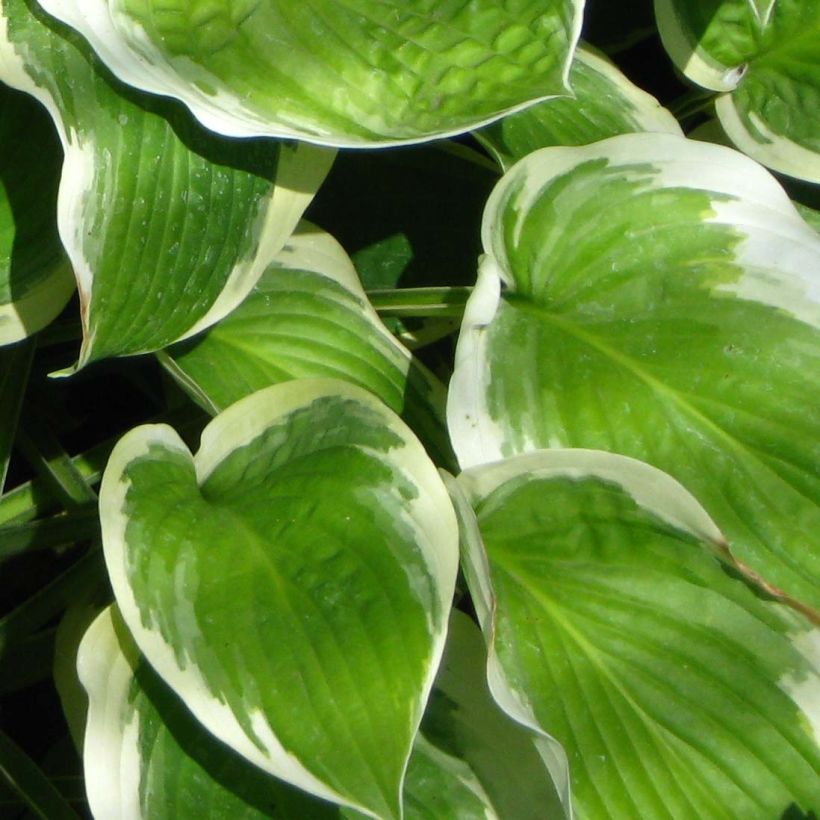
(167,226)
(765,57)
(35,278)
(336,73)
(309,317)
(605,104)
(660,300)
(291,582)
(147,756)
(674,688)
(510,761)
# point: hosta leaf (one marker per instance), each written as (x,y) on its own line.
(308,316)
(509,760)
(439,785)
(606,104)
(35,278)
(291,581)
(167,226)
(765,57)
(147,756)
(660,301)
(336,73)
(675,689)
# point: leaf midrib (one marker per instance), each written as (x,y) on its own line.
(627,363)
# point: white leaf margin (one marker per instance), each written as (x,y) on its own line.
(111,755)
(652,490)
(777,250)
(300,170)
(696,63)
(235,427)
(477,572)
(766,146)
(38,306)
(645,110)
(642,108)
(127,51)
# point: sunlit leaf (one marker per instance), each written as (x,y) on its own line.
(336,73)
(674,688)
(660,300)
(291,582)
(146,756)
(605,104)
(167,226)
(35,278)
(765,57)
(309,317)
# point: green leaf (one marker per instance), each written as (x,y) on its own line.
(336,73)
(606,104)
(309,317)
(167,226)
(765,57)
(660,301)
(439,785)
(15,364)
(38,793)
(509,760)
(146,756)
(674,688)
(36,280)
(291,582)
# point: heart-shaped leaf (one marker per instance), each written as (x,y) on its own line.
(765,57)
(661,302)
(605,104)
(336,73)
(35,278)
(308,316)
(166,225)
(674,688)
(291,582)
(145,755)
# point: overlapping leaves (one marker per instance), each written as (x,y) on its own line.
(660,301)
(675,690)
(604,104)
(167,226)
(312,524)
(309,317)
(765,56)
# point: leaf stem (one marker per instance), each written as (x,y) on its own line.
(421,302)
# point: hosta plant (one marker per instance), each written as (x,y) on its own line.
(409,409)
